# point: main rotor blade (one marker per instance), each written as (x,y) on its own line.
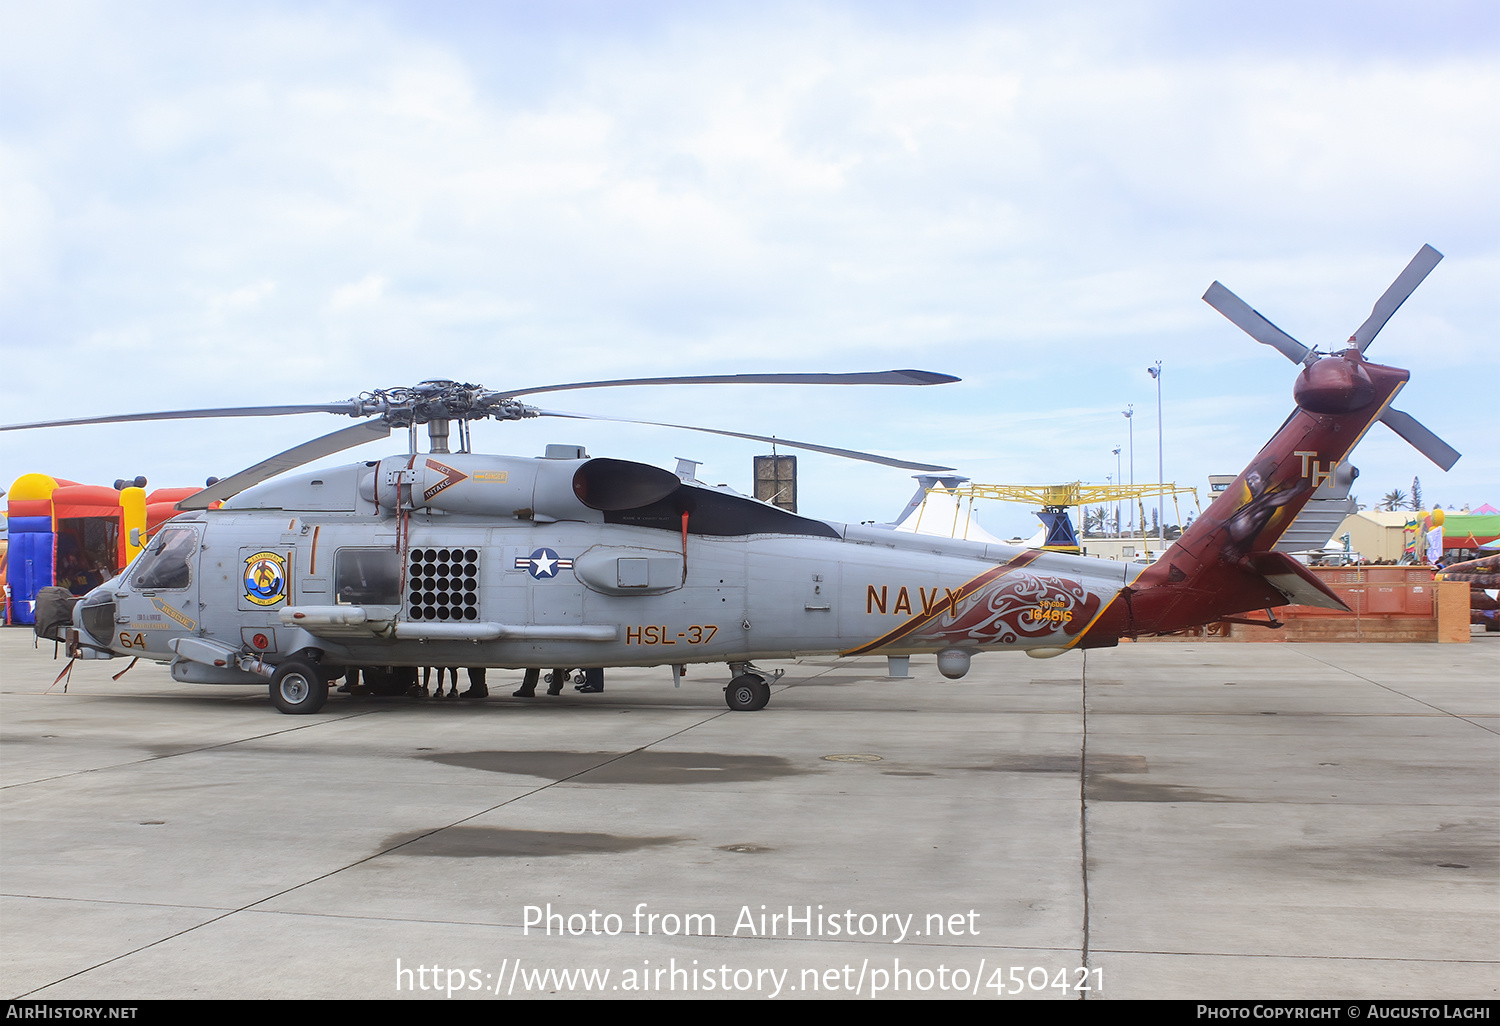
(830,450)
(1421,439)
(347,408)
(1406,282)
(338,441)
(893,377)
(1253,323)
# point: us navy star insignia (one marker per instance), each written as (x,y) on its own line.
(543,564)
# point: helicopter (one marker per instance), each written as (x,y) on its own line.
(456,558)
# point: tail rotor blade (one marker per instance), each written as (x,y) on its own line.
(1406,282)
(1421,439)
(338,441)
(1253,323)
(851,454)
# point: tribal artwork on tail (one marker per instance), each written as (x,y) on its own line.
(1002,606)
(1031,607)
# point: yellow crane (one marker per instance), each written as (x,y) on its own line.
(1055,500)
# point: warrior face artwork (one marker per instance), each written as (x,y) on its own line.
(1266,497)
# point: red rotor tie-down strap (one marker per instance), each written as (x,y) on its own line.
(66,672)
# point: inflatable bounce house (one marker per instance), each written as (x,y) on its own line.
(1447,538)
(76,536)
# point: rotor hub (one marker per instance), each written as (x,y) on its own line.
(440,400)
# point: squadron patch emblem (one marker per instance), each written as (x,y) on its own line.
(265,578)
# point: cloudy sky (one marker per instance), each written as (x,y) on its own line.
(218,205)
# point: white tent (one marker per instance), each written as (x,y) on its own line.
(946,515)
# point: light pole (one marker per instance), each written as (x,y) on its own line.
(1129,412)
(1161,515)
(1117,498)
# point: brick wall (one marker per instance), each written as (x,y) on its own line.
(1386,604)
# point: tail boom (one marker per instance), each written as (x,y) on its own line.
(1224,563)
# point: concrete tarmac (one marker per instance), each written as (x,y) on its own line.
(1186,820)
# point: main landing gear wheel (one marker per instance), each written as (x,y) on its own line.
(747,693)
(298,688)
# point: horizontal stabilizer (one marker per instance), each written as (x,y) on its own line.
(1300,585)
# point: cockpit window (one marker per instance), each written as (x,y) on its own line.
(367,577)
(167,563)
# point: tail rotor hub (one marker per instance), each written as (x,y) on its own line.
(1334,384)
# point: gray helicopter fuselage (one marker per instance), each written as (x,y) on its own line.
(457,559)
(471,560)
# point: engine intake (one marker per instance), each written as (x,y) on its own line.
(610,485)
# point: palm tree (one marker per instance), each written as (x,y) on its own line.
(1394,499)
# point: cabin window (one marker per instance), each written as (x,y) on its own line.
(367,577)
(167,564)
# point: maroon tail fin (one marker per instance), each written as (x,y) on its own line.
(1224,563)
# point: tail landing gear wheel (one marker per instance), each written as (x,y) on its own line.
(298,688)
(747,693)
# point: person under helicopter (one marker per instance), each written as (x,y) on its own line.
(528,683)
(477,687)
(555,681)
(385,681)
(421,690)
(351,685)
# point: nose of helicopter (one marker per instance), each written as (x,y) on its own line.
(95,615)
